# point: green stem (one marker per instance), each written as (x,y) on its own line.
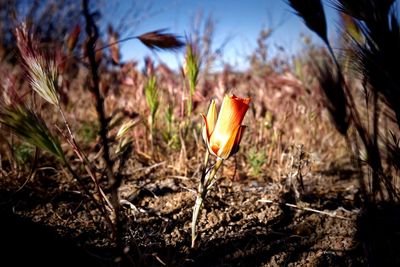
(206,158)
(217,165)
(203,171)
(151,122)
(204,186)
(196,210)
(189,105)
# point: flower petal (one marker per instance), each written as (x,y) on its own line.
(229,119)
(238,139)
(209,121)
(225,149)
(205,128)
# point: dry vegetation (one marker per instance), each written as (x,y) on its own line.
(100,161)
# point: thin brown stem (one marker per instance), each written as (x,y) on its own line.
(101,199)
(92,32)
(333,215)
(66,123)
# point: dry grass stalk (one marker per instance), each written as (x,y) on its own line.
(375,60)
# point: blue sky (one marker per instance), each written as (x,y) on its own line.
(241,21)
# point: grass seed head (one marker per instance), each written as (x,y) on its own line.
(152,96)
(125,127)
(73,38)
(42,70)
(334,96)
(159,40)
(191,66)
(312,12)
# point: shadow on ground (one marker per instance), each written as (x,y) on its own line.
(25,243)
(379,234)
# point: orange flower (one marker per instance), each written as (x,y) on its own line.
(223,134)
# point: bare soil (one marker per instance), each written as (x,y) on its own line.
(49,222)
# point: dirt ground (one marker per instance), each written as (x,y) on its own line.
(49,222)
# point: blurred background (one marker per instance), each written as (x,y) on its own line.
(235,27)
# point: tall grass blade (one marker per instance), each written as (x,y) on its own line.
(28,126)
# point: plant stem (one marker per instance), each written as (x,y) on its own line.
(93,34)
(206,158)
(196,210)
(209,178)
(66,123)
(203,171)
(189,105)
(204,186)
(151,124)
(101,200)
